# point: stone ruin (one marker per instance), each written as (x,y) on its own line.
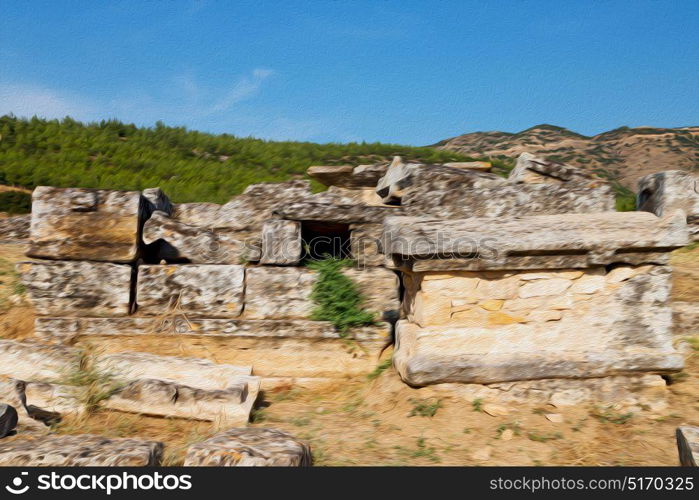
(529,288)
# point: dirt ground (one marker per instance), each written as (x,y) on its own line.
(378,420)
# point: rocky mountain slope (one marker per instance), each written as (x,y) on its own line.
(624,154)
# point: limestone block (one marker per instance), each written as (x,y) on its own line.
(58,288)
(192,372)
(86,224)
(156,200)
(347,176)
(80,451)
(250,447)
(530,169)
(285,293)
(624,328)
(364,244)
(335,211)
(688,445)
(538,288)
(34,361)
(281,242)
(532,242)
(174,241)
(214,291)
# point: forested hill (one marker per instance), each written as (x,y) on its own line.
(188,165)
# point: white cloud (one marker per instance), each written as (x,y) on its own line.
(26,100)
(245,88)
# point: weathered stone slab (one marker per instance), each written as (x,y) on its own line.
(666,192)
(59,288)
(8,419)
(688,445)
(85,224)
(174,241)
(281,242)
(347,176)
(285,293)
(250,447)
(455,200)
(193,372)
(80,451)
(495,243)
(531,169)
(15,228)
(33,361)
(214,291)
(225,407)
(332,211)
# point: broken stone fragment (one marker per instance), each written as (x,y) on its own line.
(69,288)
(8,419)
(156,200)
(210,290)
(530,169)
(402,180)
(86,224)
(80,451)
(15,228)
(688,445)
(250,447)
(281,242)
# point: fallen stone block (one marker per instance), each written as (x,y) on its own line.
(281,243)
(347,176)
(531,169)
(176,242)
(250,447)
(666,192)
(80,451)
(688,445)
(531,242)
(33,361)
(193,289)
(193,372)
(65,288)
(86,224)
(224,407)
(8,419)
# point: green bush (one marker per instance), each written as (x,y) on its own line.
(336,296)
(15,202)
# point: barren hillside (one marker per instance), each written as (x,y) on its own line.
(624,154)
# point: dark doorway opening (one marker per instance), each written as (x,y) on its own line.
(325,239)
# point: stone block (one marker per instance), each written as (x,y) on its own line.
(27,360)
(86,224)
(214,291)
(281,242)
(80,451)
(250,447)
(531,169)
(666,192)
(69,288)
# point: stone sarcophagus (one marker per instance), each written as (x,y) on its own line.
(540,297)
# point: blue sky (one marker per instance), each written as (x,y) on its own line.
(405,71)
